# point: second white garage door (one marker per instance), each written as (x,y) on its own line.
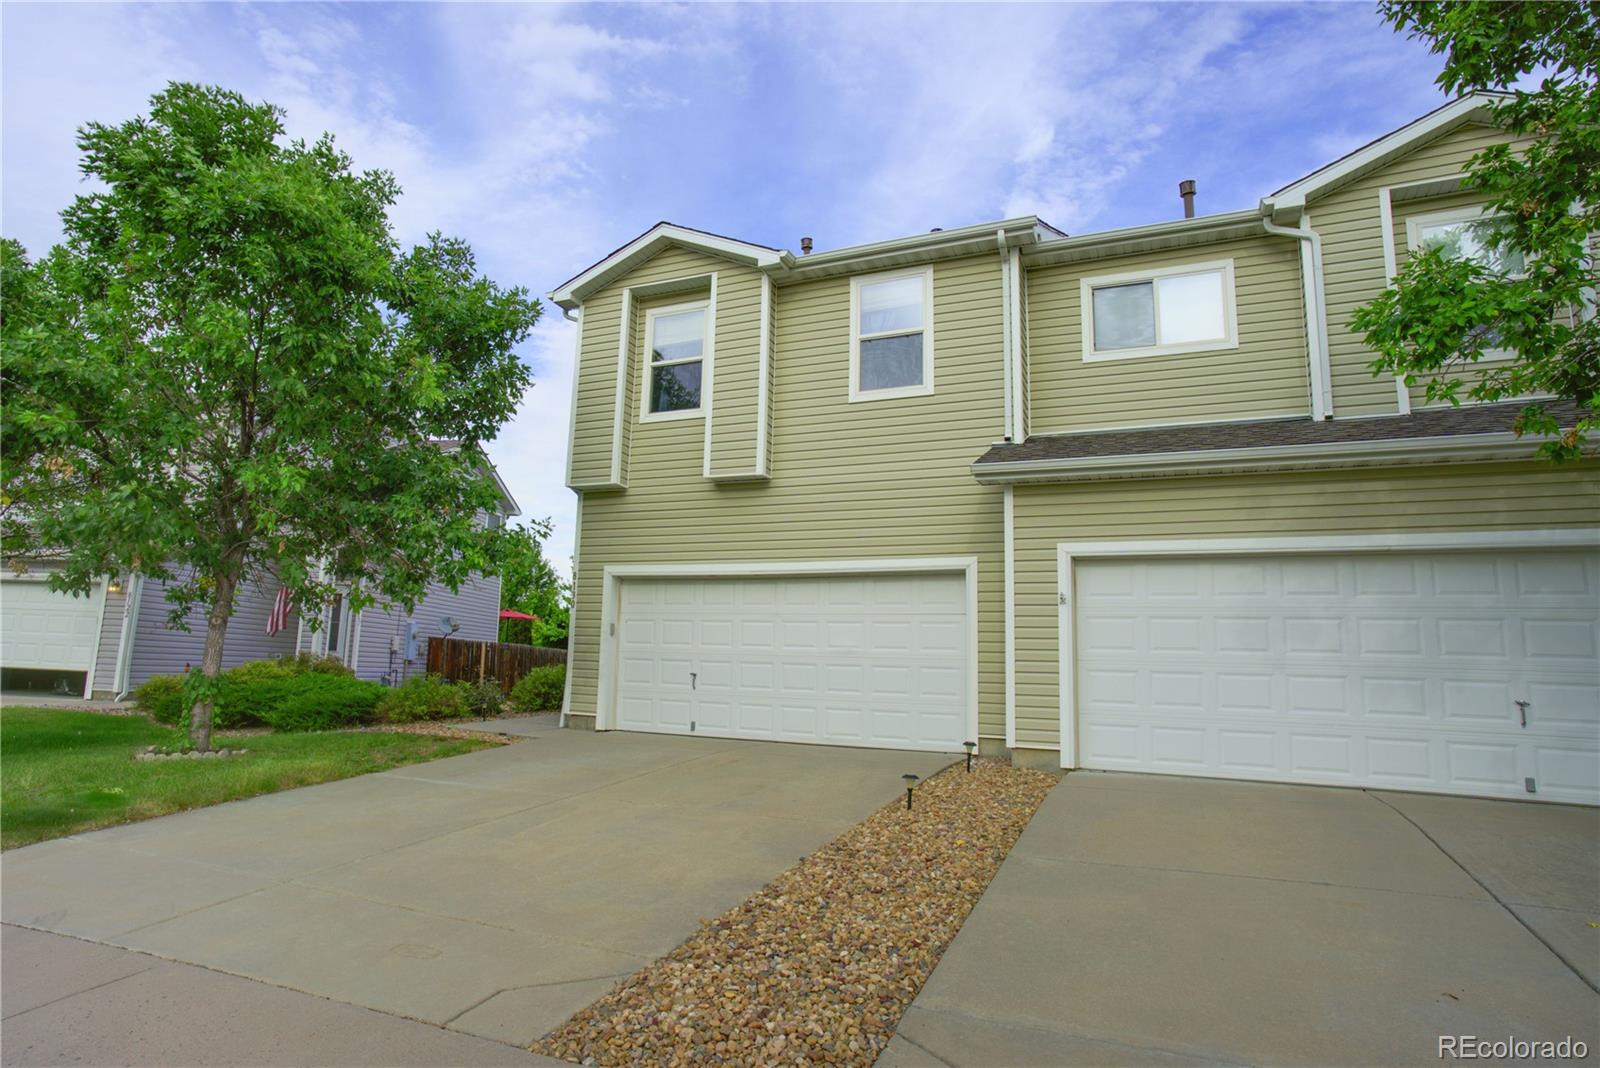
(1380,669)
(879,660)
(44,630)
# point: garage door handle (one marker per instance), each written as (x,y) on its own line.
(695,675)
(1522,709)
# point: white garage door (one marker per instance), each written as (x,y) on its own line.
(1399,671)
(40,628)
(857,660)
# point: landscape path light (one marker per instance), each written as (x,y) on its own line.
(911,784)
(970,747)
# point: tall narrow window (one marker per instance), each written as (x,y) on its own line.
(891,345)
(1161,312)
(676,339)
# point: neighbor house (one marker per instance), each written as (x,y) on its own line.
(1127,500)
(117,636)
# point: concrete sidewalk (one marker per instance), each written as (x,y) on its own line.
(72,1002)
(494,893)
(1157,920)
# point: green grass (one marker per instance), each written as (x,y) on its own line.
(64,772)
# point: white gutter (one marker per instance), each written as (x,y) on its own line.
(1455,447)
(1316,317)
(1008,430)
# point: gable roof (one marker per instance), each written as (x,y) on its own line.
(619,262)
(1286,204)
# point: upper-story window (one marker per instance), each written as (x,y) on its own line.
(1164,311)
(1464,234)
(675,337)
(891,335)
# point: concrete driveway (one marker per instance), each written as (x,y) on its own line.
(1155,920)
(493,893)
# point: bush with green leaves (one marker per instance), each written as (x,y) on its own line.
(485,699)
(424,697)
(161,698)
(320,701)
(540,689)
(304,661)
(290,694)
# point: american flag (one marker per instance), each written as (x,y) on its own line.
(280,612)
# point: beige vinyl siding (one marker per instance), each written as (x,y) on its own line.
(596,391)
(873,479)
(1266,375)
(1507,496)
(735,401)
(1352,258)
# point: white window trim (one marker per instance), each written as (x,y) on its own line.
(704,360)
(1230,319)
(925,388)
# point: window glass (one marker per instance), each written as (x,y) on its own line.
(891,362)
(1467,239)
(1191,308)
(1124,316)
(892,306)
(675,387)
(336,626)
(679,336)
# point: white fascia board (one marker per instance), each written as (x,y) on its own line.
(646,244)
(1458,447)
(907,251)
(1286,204)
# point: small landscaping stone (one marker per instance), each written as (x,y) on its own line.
(818,966)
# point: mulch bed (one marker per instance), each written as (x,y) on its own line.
(819,965)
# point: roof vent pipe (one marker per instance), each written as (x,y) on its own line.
(805,246)
(1186,191)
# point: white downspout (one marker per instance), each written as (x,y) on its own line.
(572,613)
(1316,313)
(1007,429)
(130,630)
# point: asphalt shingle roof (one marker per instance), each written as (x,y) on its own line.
(1264,433)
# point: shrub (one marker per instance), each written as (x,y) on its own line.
(485,699)
(540,689)
(323,665)
(161,698)
(319,701)
(424,697)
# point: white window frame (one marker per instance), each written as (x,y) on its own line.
(1230,318)
(923,389)
(650,365)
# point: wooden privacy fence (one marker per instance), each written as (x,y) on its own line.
(467,661)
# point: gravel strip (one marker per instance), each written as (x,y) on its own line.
(439,730)
(818,966)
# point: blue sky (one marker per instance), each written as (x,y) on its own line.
(547,135)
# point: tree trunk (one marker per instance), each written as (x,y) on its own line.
(211,658)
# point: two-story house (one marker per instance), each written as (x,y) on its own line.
(1127,500)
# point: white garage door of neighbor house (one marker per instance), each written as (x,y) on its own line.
(40,628)
(1378,669)
(875,660)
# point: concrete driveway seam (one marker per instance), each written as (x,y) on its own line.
(533,986)
(1562,957)
(73,994)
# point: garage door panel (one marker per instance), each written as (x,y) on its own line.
(851,660)
(46,630)
(1399,670)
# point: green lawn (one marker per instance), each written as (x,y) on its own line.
(64,772)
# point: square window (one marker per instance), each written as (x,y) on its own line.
(1162,312)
